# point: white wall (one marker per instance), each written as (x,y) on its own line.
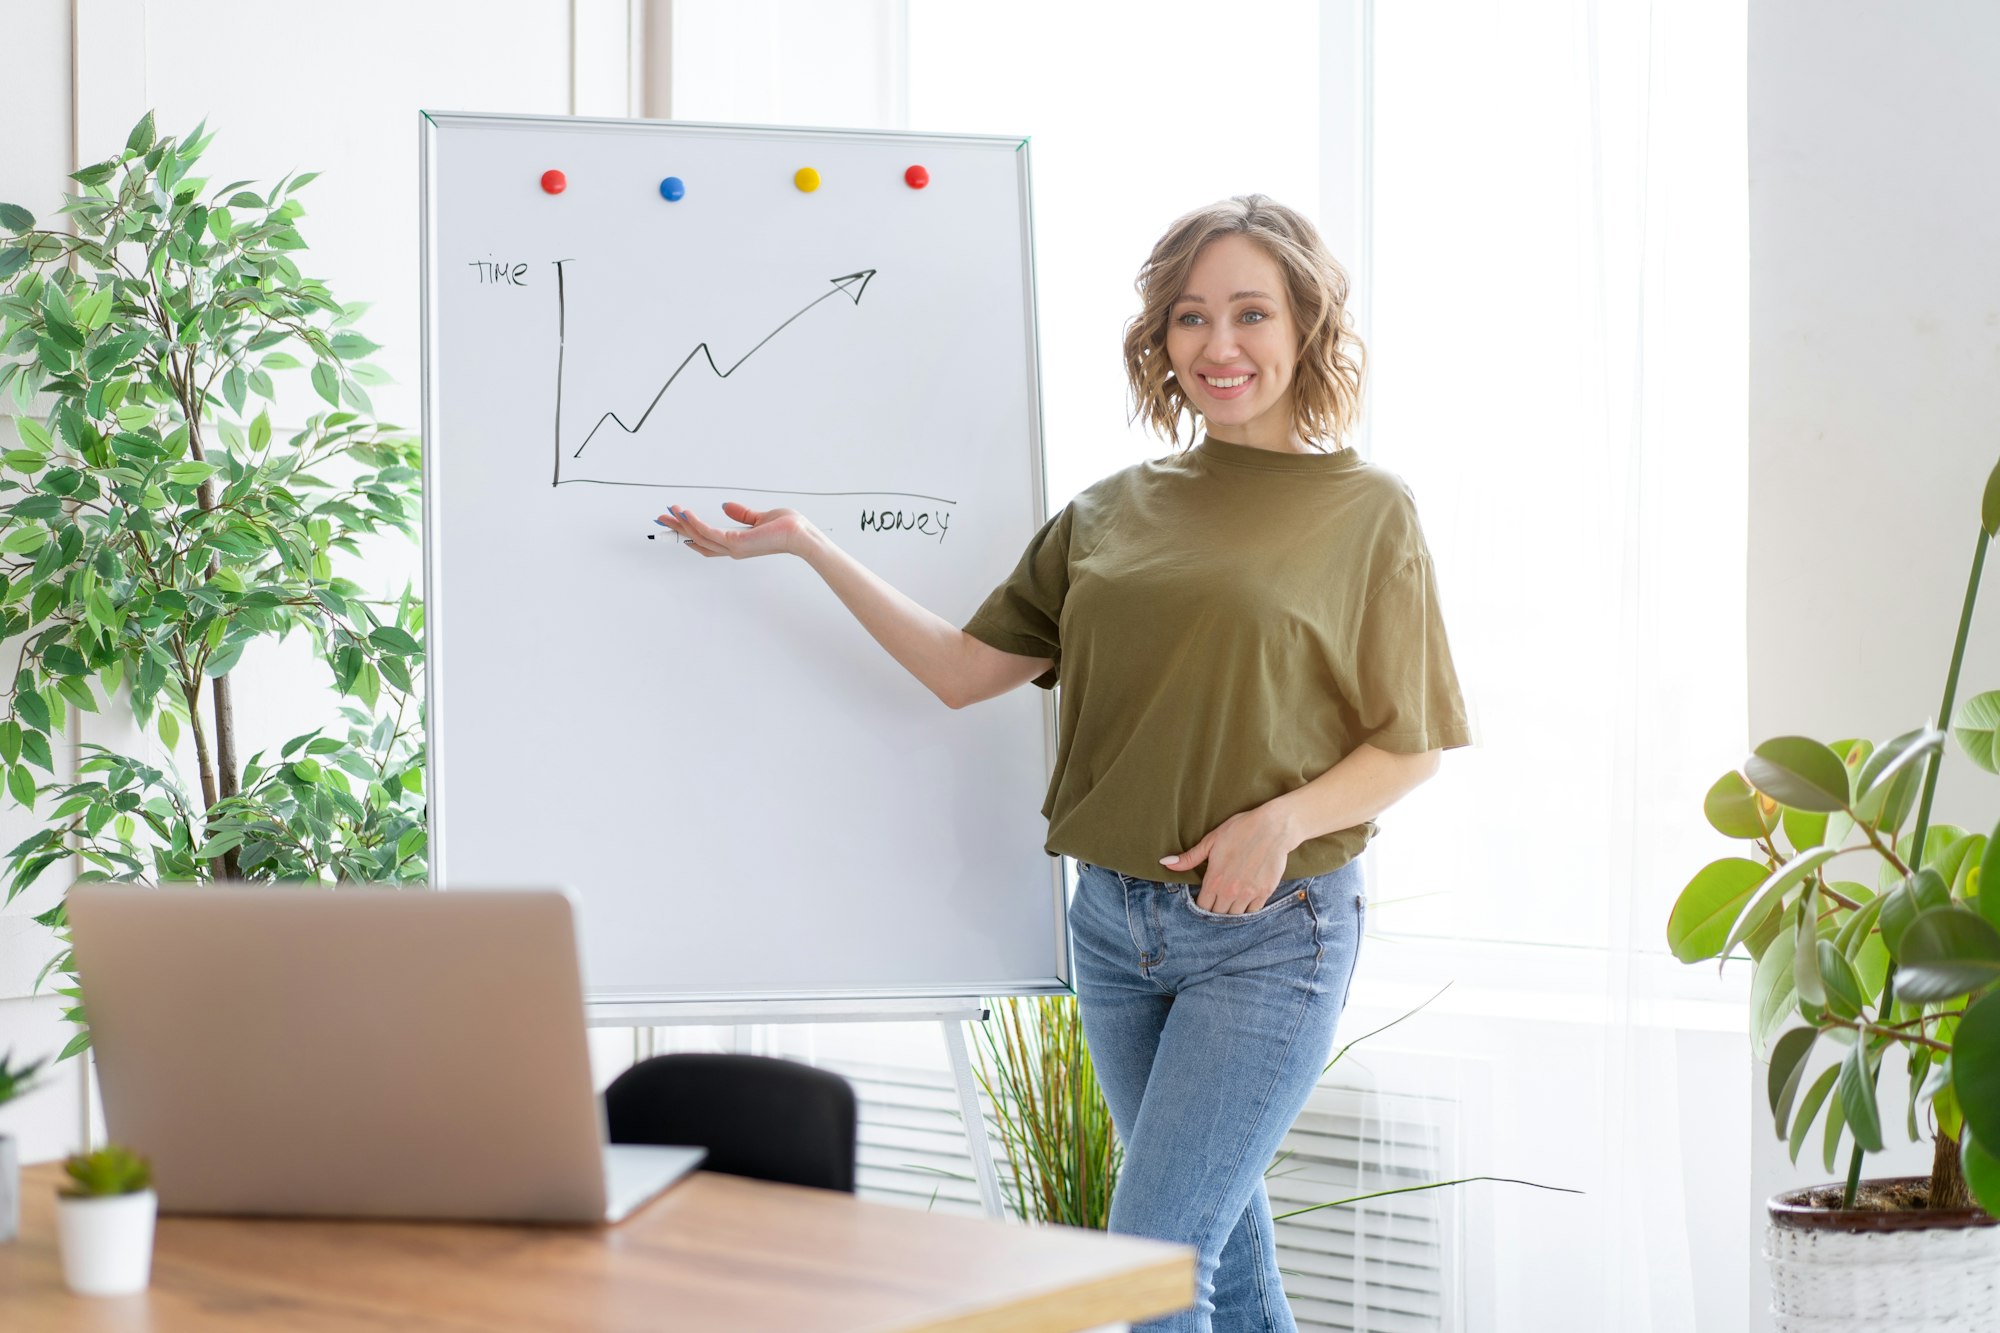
(1874,342)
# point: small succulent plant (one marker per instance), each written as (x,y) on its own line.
(108,1171)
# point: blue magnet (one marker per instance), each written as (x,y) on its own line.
(672,188)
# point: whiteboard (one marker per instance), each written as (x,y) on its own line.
(752,800)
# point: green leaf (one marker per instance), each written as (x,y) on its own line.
(35,749)
(1843,987)
(1982,1171)
(1989,873)
(1888,772)
(1977,729)
(190,474)
(1805,954)
(1792,872)
(141,138)
(1803,830)
(392,640)
(307,770)
(1809,1108)
(77,690)
(1989,503)
(1799,772)
(1857,1098)
(327,381)
(1975,1067)
(1772,996)
(35,435)
(1836,1122)
(1954,862)
(1708,906)
(1734,810)
(1922,892)
(1788,1065)
(224,659)
(16,218)
(348,346)
(1947,952)
(21,783)
(170,730)
(32,709)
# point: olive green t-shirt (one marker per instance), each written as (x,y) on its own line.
(1227,624)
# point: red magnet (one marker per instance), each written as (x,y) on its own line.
(917,178)
(554,182)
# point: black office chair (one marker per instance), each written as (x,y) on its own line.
(757,1116)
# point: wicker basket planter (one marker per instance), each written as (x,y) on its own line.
(1836,1271)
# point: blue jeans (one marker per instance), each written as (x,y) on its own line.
(1207,1032)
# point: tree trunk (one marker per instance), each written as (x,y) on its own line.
(225,758)
(193,697)
(1948,1187)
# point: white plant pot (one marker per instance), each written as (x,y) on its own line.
(10,1189)
(1941,1278)
(107,1242)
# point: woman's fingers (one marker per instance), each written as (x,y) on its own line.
(699,535)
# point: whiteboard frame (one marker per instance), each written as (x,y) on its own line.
(623,1007)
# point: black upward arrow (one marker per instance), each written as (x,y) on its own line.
(852,284)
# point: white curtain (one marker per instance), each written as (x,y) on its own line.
(1559,300)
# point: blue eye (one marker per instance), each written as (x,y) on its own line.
(1183,318)
(1255,316)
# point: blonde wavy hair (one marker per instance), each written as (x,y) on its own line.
(1326,389)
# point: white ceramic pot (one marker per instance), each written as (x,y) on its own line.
(1873,1272)
(10,1189)
(107,1242)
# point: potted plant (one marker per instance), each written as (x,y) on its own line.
(155,523)
(13,1082)
(104,1222)
(1063,1153)
(1852,965)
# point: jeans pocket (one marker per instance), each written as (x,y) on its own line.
(1289,893)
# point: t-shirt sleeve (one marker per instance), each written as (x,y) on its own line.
(1024,614)
(1407,688)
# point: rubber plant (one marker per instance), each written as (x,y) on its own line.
(1905,954)
(154,523)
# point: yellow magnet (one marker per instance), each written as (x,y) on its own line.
(806,179)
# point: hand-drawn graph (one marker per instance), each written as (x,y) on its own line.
(850,285)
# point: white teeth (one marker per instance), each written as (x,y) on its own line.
(1229,383)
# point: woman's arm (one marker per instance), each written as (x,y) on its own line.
(950,663)
(1246,853)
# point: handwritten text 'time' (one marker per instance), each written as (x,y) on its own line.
(505,275)
(924,521)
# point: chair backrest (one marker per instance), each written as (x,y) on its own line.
(757,1116)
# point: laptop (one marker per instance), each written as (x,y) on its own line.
(355,1052)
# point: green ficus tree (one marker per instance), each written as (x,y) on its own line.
(154,524)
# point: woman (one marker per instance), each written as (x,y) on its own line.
(1253,668)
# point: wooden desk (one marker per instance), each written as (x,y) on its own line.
(714,1253)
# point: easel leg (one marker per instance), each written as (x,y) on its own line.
(975,1119)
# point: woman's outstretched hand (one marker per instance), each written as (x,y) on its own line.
(769,531)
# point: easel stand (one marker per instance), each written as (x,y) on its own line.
(646,1017)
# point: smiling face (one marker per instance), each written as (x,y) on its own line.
(1234,346)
